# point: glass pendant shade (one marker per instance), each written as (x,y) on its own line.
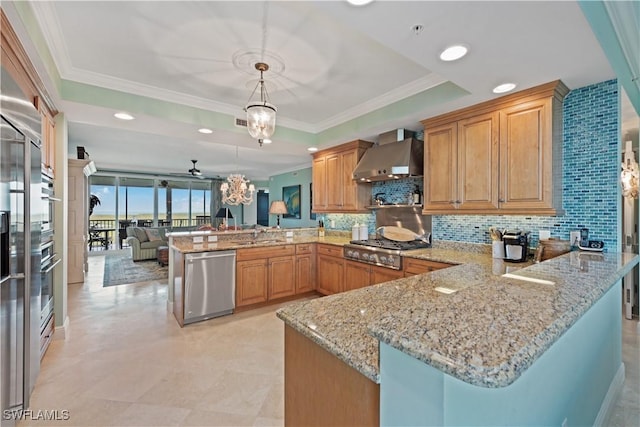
(261,119)
(261,115)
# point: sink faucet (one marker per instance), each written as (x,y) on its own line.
(256,229)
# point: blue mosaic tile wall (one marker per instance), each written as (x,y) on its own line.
(397,191)
(591,167)
(591,173)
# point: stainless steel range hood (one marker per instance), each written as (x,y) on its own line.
(397,155)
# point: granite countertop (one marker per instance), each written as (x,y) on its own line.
(518,320)
(186,245)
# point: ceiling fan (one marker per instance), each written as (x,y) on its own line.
(195,171)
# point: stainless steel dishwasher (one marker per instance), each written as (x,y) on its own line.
(210,285)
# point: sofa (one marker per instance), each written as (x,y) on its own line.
(145,241)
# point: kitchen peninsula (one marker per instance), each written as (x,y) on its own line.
(462,346)
(252,267)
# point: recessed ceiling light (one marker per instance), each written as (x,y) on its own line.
(266,141)
(312,149)
(359,2)
(123,116)
(504,87)
(454,52)
(205,130)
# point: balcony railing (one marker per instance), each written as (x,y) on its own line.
(121,229)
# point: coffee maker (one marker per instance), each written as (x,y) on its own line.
(516,245)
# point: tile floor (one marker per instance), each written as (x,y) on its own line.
(127,363)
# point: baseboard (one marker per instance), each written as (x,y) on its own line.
(62,332)
(615,388)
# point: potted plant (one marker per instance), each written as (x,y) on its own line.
(93,202)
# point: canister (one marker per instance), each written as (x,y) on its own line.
(364,232)
(355,232)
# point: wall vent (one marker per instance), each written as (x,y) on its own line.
(241,123)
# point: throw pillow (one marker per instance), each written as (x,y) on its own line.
(153,234)
(140,234)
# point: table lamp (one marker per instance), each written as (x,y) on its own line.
(226,214)
(278,208)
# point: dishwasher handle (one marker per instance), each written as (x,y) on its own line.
(192,258)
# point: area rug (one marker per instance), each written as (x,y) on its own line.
(119,269)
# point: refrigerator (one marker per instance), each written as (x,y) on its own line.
(20,252)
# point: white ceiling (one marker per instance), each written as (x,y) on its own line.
(338,72)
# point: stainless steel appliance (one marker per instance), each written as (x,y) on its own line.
(382,252)
(20,165)
(516,246)
(397,155)
(210,285)
(385,252)
(49,259)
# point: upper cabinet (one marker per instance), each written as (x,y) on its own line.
(502,157)
(334,189)
(48,139)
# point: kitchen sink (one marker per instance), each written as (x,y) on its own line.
(261,242)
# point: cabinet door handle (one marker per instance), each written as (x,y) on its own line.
(500,200)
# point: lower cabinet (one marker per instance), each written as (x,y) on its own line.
(252,278)
(413,266)
(383,274)
(330,269)
(358,275)
(305,268)
(282,280)
(264,274)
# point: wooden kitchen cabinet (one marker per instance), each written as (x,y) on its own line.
(334,189)
(330,269)
(499,157)
(463,164)
(264,274)
(413,266)
(305,268)
(383,274)
(48,137)
(282,279)
(358,275)
(528,156)
(252,279)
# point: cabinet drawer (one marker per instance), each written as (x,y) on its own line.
(45,336)
(330,250)
(414,266)
(304,248)
(264,252)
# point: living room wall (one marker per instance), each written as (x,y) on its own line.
(300,177)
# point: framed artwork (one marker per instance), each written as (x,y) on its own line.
(291,197)
(312,215)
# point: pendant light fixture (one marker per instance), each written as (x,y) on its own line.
(237,189)
(261,115)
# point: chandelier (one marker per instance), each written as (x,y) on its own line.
(261,116)
(630,174)
(237,189)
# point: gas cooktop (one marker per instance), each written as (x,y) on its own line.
(391,244)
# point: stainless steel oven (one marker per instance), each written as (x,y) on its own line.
(48,199)
(46,295)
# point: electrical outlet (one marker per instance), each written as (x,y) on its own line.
(544,234)
(574,238)
(333,223)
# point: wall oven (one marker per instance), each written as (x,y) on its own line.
(48,199)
